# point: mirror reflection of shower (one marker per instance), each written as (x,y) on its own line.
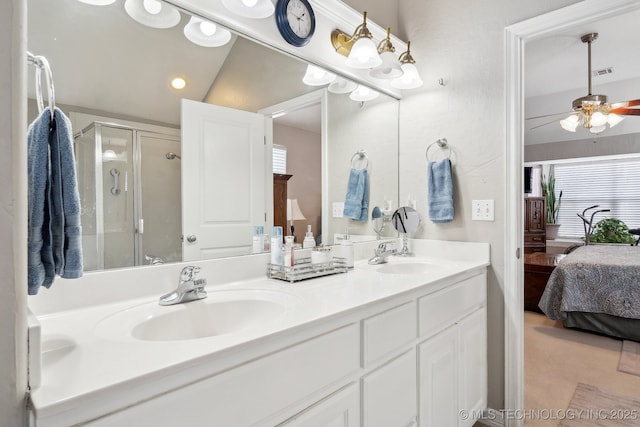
(123,180)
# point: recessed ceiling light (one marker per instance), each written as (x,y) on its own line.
(178,83)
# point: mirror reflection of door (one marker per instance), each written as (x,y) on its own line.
(222,179)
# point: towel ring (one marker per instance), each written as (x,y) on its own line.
(41,63)
(360,155)
(442,143)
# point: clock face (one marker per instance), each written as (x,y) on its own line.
(296,21)
(299,18)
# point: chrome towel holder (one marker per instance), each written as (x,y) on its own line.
(443,144)
(359,155)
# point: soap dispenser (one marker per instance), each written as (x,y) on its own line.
(309,241)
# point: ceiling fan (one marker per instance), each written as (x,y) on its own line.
(592,111)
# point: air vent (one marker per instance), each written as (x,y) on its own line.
(602,72)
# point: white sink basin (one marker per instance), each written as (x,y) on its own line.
(397,265)
(221,313)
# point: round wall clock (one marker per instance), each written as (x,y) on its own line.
(296,21)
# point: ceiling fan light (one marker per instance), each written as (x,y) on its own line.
(597,129)
(254,9)
(570,123)
(165,17)
(316,76)
(614,119)
(364,54)
(598,119)
(363,93)
(206,33)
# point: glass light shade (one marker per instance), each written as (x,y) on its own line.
(260,9)
(167,17)
(409,80)
(109,155)
(614,119)
(598,119)
(390,67)
(570,123)
(364,54)
(316,76)
(98,2)
(342,86)
(215,36)
(363,93)
(597,129)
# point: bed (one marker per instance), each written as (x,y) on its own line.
(597,288)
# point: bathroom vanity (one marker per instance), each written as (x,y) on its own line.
(397,344)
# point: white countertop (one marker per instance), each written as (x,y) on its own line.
(84,361)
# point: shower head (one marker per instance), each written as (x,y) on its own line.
(171,156)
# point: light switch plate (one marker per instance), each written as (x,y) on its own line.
(338,209)
(482,210)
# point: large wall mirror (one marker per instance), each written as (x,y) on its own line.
(113,78)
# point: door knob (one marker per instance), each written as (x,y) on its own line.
(191,238)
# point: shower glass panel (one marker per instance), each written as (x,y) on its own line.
(131,197)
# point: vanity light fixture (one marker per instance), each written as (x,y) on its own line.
(363,93)
(411,78)
(178,83)
(316,76)
(152,13)
(390,67)
(341,86)
(254,9)
(359,48)
(206,33)
(98,2)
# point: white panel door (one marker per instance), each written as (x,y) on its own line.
(222,180)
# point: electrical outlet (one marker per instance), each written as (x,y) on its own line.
(482,210)
(338,209)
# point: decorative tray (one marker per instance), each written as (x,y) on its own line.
(304,269)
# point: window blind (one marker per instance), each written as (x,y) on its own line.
(279,159)
(612,184)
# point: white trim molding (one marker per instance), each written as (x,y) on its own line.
(516,37)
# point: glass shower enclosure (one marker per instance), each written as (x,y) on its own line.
(129,184)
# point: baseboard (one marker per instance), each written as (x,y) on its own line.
(492,418)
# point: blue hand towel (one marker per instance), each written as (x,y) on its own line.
(440,196)
(356,204)
(54,231)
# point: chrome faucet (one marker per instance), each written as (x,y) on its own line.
(153,260)
(382,254)
(189,288)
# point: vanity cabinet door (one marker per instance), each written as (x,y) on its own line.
(389,393)
(473,364)
(439,379)
(341,409)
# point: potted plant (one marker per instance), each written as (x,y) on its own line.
(552,205)
(611,230)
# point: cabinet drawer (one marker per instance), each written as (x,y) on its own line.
(388,331)
(341,409)
(390,393)
(443,308)
(535,238)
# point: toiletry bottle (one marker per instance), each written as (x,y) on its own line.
(276,245)
(258,239)
(288,256)
(347,252)
(309,241)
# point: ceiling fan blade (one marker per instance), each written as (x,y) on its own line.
(543,124)
(549,115)
(626,111)
(631,103)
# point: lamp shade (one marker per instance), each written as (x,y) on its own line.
(363,93)
(614,119)
(410,79)
(342,85)
(152,13)
(206,33)
(364,54)
(254,9)
(316,76)
(570,123)
(293,211)
(390,67)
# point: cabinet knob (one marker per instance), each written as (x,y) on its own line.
(191,238)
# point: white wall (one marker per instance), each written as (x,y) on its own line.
(13,272)
(463,43)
